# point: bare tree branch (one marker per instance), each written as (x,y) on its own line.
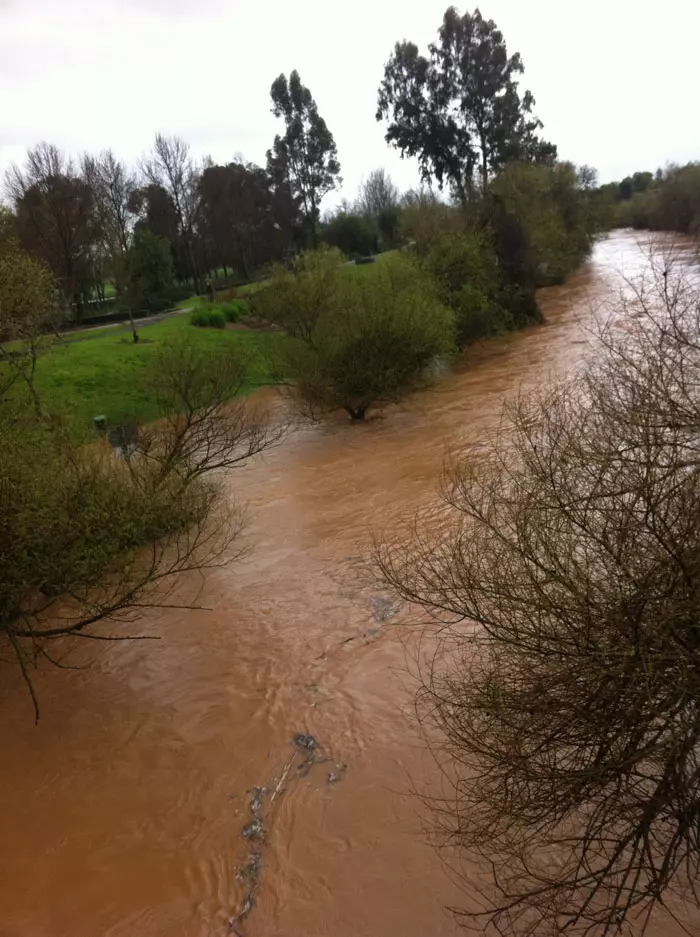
(562,570)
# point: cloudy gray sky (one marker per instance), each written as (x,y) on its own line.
(615,80)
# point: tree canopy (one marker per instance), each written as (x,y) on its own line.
(459,110)
(305,156)
(55,217)
(245,219)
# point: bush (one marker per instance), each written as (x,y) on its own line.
(215,315)
(208,317)
(357,341)
(466,269)
(234,310)
(300,294)
(27,296)
(557,220)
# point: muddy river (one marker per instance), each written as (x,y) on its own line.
(122,811)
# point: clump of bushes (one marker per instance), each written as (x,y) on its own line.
(532,227)
(217,315)
(354,342)
(208,317)
(553,213)
(234,309)
(465,267)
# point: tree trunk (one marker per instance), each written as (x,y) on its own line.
(461,193)
(243,260)
(134,333)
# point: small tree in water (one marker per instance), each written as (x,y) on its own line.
(564,573)
(356,337)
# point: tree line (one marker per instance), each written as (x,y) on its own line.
(95,221)
(666,200)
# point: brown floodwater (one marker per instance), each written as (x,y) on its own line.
(122,810)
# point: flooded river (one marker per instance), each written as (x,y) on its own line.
(122,810)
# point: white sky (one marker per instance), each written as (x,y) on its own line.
(615,80)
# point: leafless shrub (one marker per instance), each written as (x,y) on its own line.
(563,573)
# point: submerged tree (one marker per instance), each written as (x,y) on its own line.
(459,110)
(564,573)
(355,340)
(306,156)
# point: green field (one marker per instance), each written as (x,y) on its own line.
(106,373)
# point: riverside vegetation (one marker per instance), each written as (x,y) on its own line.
(573,550)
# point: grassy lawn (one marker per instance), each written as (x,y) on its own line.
(107,374)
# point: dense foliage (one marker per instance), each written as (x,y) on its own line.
(356,339)
(668,200)
(304,159)
(459,110)
(355,235)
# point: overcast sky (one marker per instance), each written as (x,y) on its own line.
(615,80)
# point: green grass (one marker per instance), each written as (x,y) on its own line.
(108,373)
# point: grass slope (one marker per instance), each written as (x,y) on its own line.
(108,374)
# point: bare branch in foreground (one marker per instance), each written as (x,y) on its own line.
(562,570)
